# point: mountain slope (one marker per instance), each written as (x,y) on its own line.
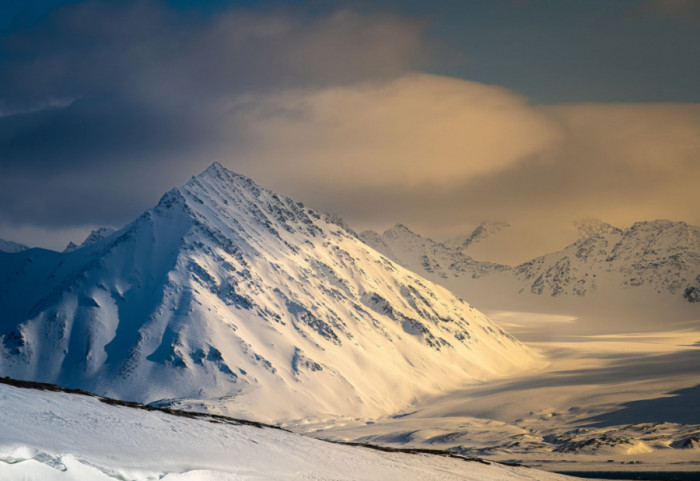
(229,297)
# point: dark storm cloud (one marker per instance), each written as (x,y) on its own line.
(90,129)
(104,94)
(163,55)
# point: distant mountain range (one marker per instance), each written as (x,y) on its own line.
(650,258)
(229,297)
(9,246)
(661,255)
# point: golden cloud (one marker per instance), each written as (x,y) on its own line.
(417,129)
(441,154)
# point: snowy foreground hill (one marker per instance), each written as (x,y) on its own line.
(230,298)
(49,436)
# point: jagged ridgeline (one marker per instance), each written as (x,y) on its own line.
(229,297)
(655,259)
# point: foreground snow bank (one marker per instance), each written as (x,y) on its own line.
(57,436)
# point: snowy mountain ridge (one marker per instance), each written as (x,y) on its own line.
(231,298)
(92,238)
(9,246)
(663,256)
(482,232)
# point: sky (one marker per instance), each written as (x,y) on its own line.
(437,115)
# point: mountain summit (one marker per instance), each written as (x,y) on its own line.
(229,297)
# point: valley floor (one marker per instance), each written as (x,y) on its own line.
(613,402)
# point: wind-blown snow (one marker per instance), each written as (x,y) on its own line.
(229,297)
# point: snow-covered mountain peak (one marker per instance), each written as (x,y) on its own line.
(666,234)
(481,232)
(402,233)
(421,254)
(239,299)
(70,247)
(230,197)
(596,227)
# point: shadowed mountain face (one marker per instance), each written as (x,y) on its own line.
(229,297)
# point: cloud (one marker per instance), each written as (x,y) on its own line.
(442,154)
(468,150)
(107,106)
(418,129)
(150,52)
(116,102)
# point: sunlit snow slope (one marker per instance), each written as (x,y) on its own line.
(245,302)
